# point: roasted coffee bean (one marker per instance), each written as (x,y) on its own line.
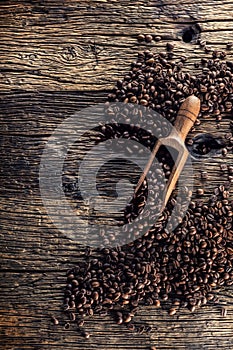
(172,311)
(200,191)
(131,326)
(86,334)
(80,323)
(203,90)
(157,303)
(141,37)
(67,325)
(72,316)
(148,38)
(169,47)
(65,307)
(127,318)
(119,318)
(157,38)
(95,284)
(54,320)
(204,175)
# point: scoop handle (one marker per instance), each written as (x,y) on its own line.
(187,116)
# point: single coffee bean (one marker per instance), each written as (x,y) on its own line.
(127,318)
(170,47)
(67,325)
(200,191)
(172,311)
(148,38)
(80,323)
(86,334)
(141,37)
(54,320)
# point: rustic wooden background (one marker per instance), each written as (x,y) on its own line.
(57,57)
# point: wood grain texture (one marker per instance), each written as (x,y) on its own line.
(55,59)
(89,45)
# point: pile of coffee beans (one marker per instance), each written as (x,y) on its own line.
(137,203)
(157,81)
(185,265)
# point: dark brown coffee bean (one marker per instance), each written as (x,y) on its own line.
(95,284)
(148,38)
(157,38)
(192,308)
(141,37)
(80,323)
(131,326)
(143,102)
(67,325)
(204,175)
(200,191)
(127,318)
(54,320)
(86,334)
(170,47)
(172,311)
(157,303)
(72,316)
(119,318)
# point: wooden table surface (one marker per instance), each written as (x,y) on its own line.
(57,57)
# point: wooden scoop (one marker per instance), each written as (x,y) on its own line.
(186,117)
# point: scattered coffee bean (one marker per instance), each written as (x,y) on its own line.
(141,37)
(224,152)
(54,320)
(224,167)
(67,325)
(157,38)
(207,49)
(72,316)
(80,323)
(86,335)
(169,47)
(172,311)
(204,175)
(148,38)
(127,318)
(200,191)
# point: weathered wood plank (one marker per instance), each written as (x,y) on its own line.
(51,49)
(85,46)
(26,319)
